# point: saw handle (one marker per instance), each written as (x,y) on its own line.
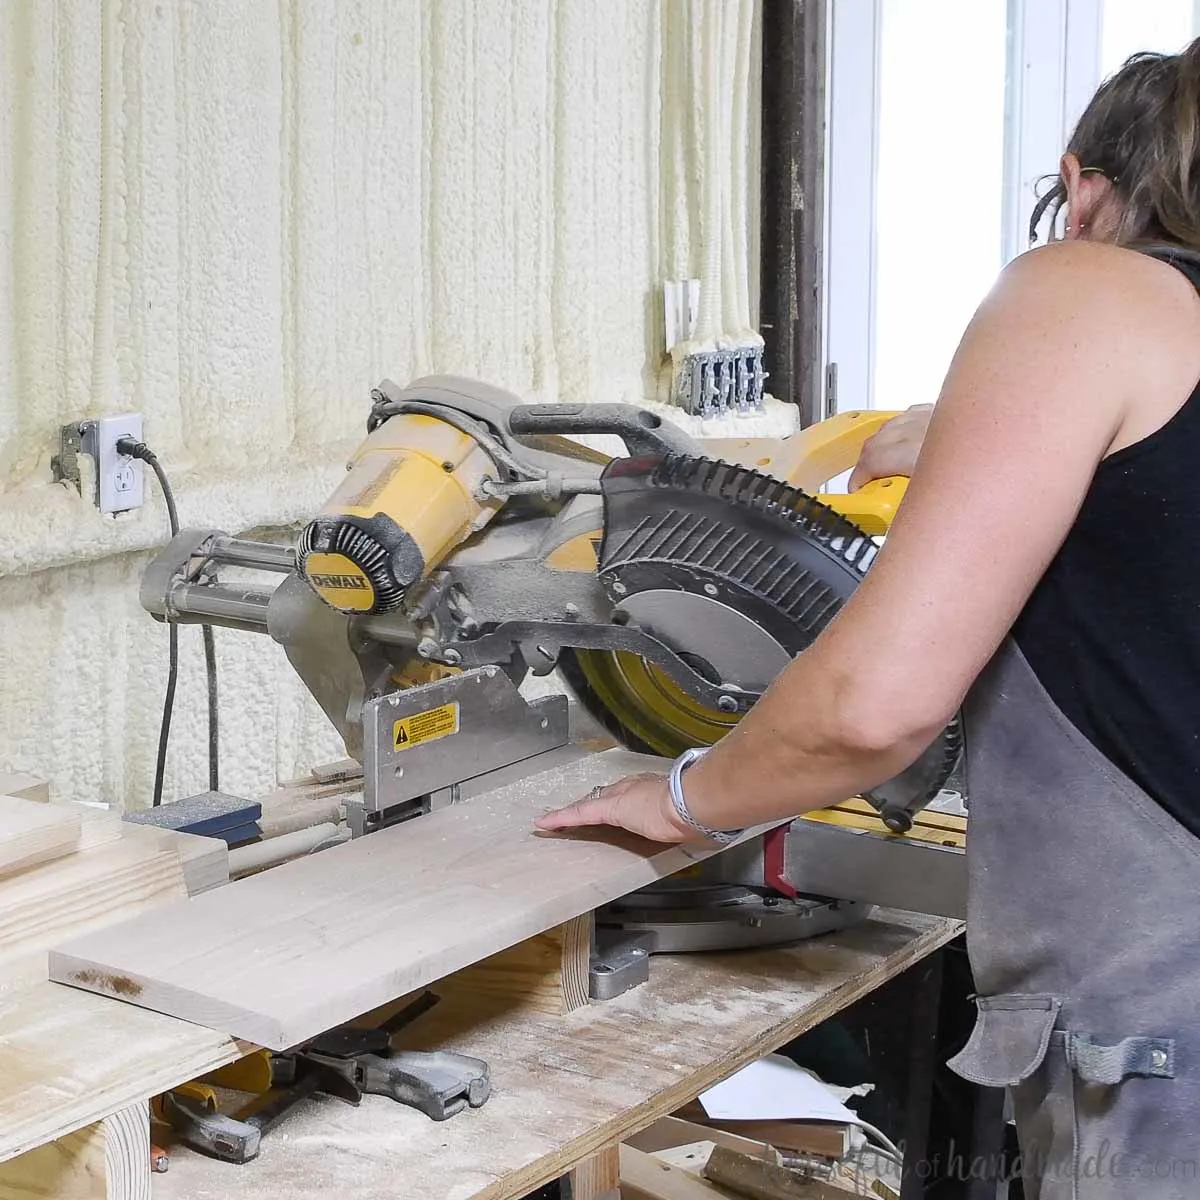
(832,447)
(642,432)
(873,507)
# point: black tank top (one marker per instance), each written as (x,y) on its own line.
(1113,629)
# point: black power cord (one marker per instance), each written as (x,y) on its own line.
(139,450)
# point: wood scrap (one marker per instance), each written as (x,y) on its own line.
(691,1158)
(71,1058)
(826,1139)
(25,787)
(271,959)
(674,1131)
(546,973)
(205,860)
(644,1177)
(338,772)
(32,833)
(759,1180)
(79,894)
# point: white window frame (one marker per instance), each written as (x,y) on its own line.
(851,160)
(1054,62)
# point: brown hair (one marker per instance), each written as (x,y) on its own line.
(1142,132)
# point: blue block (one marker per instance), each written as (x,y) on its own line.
(209,814)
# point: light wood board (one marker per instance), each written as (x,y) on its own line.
(742,1175)
(205,860)
(82,892)
(282,956)
(27,787)
(32,833)
(671,1132)
(644,1177)
(598,1177)
(547,972)
(566,1087)
(71,1058)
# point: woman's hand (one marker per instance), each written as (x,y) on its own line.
(894,449)
(638,803)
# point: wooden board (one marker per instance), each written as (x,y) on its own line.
(282,956)
(205,860)
(566,1087)
(828,1139)
(27,787)
(109,1160)
(82,892)
(548,972)
(32,833)
(71,1058)
(598,1177)
(672,1131)
(751,1177)
(644,1177)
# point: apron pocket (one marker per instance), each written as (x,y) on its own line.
(1009,1041)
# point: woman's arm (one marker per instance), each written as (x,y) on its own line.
(1044,382)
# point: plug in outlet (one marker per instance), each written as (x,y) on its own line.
(118,481)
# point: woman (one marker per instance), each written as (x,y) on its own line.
(1044,574)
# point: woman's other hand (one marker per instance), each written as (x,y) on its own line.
(894,449)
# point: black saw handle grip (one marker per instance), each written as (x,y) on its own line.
(642,432)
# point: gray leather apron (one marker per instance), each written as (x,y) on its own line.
(1084,937)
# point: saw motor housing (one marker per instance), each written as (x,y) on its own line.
(474,542)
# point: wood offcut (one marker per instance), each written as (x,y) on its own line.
(32,833)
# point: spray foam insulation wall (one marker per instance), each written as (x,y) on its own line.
(236,217)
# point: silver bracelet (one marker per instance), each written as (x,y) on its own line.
(675,786)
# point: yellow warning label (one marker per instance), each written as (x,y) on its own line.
(425,726)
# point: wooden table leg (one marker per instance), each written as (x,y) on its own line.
(598,1177)
(106,1161)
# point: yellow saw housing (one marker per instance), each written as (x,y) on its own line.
(412,493)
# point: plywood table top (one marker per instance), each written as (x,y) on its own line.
(566,1086)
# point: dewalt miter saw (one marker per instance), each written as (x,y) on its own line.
(476,541)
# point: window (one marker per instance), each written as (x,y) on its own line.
(1128,26)
(943,116)
(939,189)
(916,177)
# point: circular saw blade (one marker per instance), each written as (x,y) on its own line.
(772,554)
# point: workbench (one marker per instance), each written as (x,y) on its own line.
(566,1088)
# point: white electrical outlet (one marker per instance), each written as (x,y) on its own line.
(119,480)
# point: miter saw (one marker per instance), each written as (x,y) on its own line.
(476,541)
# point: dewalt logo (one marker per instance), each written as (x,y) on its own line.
(340,581)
